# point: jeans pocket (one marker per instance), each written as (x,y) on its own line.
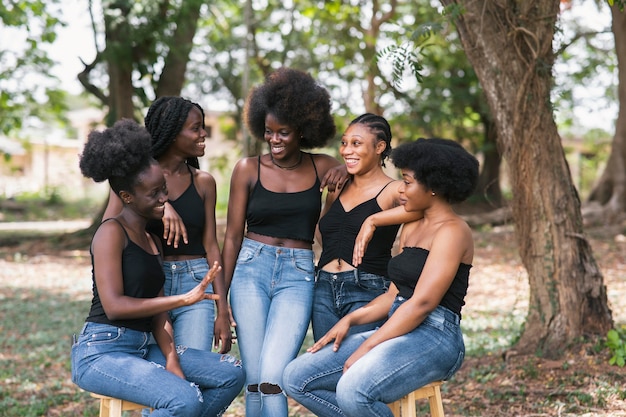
(304,265)
(245,255)
(103,337)
(372,282)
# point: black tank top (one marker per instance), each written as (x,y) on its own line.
(406,268)
(190,208)
(340,228)
(143,278)
(284,215)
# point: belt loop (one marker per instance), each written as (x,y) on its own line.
(356,275)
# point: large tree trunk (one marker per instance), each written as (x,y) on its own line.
(509,43)
(610,190)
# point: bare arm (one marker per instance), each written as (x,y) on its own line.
(107,246)
(396,215)
(163,333)
(208,189)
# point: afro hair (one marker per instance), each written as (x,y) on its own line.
(295,99)
(118,154)
(441,165)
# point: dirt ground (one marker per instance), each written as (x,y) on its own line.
(500,383)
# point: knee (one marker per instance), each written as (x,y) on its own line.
(267,388)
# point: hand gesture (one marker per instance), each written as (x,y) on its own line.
(337,333)
(362,240)
(198,292)
(173,227)
(335,178)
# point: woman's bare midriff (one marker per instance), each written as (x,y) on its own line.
(278,241)
(337,265)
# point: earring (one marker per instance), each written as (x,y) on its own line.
(433,193)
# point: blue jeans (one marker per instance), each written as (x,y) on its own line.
(339,293)
(120,362)
(271,296)
(193,325)
(432,351)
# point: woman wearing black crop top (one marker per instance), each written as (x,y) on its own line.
(176,127)
(111,355)
(278,196)
(421,341)
(340,286)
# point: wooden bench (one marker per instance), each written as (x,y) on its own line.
(113,407)
(405,406)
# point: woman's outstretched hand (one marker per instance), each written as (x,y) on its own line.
(198,292)
(337,333)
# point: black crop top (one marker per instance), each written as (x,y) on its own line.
(143,278)
(406,268)
(190,208)
(340,228)
(284,215)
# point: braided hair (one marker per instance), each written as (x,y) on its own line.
(165,120)
(118,154)
(296,100)
(381,129)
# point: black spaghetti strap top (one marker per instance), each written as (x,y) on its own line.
(190,208)
(284,215)
(143,278)
(339,229)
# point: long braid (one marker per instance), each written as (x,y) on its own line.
(165,120)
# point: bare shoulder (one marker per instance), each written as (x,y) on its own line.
(324,162)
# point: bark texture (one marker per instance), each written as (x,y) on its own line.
(509,44)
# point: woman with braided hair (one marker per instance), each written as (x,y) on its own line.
(111,355)
(176,126)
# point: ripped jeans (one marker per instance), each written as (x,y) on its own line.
(271,296)
(119,362)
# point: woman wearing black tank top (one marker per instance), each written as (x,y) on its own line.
(277,198)
(111,355)
(188,228)
(341,287)
(421,341)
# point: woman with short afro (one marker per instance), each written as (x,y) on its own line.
(111,355)
(357,375)
(273,209)
(177,131)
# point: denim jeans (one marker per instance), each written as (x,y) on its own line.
(339,293)
(193,325)
(271,296)
(433,351)
(120,362)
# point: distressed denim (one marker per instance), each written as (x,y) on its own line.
(271,296)
(433,351)
(193,325)
(120,362)
(339,293)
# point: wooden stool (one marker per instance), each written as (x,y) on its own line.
(405,406)
(113,407)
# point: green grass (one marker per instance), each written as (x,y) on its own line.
(35,340)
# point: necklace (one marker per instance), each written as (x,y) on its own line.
(294,166)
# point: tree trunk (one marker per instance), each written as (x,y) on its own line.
(509,43)
(488,188)
(118,56)
(610,191)
(173,75)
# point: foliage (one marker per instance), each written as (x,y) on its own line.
(47,205)
(27,87)
(616,342)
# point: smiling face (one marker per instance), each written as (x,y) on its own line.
(281,138)
(190,140)
(360,149)
(149,194)
(414,196)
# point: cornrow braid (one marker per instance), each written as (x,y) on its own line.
(380,127)
(165,120)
